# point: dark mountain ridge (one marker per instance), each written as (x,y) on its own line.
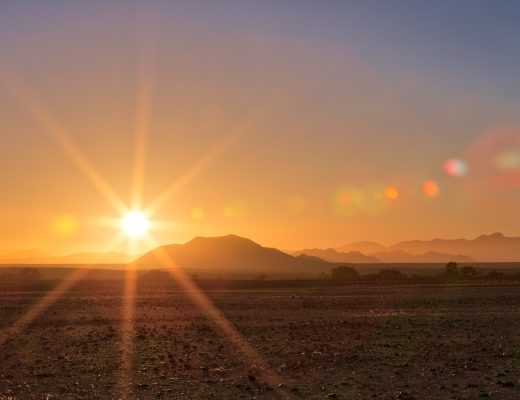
(229,253)
(484,248)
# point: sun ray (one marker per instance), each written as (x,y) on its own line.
(127,334)
(212,312)
(49,124)
(145,67)
(239,129)
(51,297)
(48,300)
(190,174)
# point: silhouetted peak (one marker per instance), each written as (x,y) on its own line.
(493,236)
(228,240)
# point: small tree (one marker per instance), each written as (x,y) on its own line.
(495,275)
(452,270)
(343,272)
(468,271)
(261,277)
(390,275)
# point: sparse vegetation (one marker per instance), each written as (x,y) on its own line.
(495,275)
(261,277)
(452,270)
(387,274)
(468,271)
(155,276)
(344,272)
(23,278)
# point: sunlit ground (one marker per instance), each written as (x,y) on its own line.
(350,342)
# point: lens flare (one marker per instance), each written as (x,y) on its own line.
(495,159)
(430,188)
(360,200)
(455,167)
(197,213)
(237,209)
(64,226)
(391,193)
(507,160)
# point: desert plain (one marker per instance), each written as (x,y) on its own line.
(343,341)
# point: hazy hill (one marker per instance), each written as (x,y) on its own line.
(35,256)
(399,256)
(485,248)
(230,253)
(90,258)
(20,256)
(495,247)
(339,257)
(362,247)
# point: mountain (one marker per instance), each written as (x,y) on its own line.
(24,257)
(338,257)
(389,256)
(90,258)
(484,248)
(35,256)
(229,253)
(399,256)
(362,247)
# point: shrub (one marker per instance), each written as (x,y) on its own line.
(495,275)
(390,275)
(343,272)
(156,276)
(468,271)
(452,270)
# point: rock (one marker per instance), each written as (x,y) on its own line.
(405,396)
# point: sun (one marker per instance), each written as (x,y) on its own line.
(135,224)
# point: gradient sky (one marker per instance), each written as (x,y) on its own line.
(285,120)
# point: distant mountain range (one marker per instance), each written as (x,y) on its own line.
(494,247)
(399,256)
(229,253)
(35,256)
(239,254)
(335,256)
(390,256)
(485,248)
(362,247)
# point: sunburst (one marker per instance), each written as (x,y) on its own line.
(133,219)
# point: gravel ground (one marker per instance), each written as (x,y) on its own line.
(350,342)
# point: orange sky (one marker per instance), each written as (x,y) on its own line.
(290,136)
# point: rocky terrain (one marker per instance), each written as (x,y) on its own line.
(345,342)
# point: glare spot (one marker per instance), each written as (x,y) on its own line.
(455,167)
(64,225)
(353,200)
(296,203)
(508,160)
(197,213)
(391,193)
(236,209)
(430,188)
(495,159)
